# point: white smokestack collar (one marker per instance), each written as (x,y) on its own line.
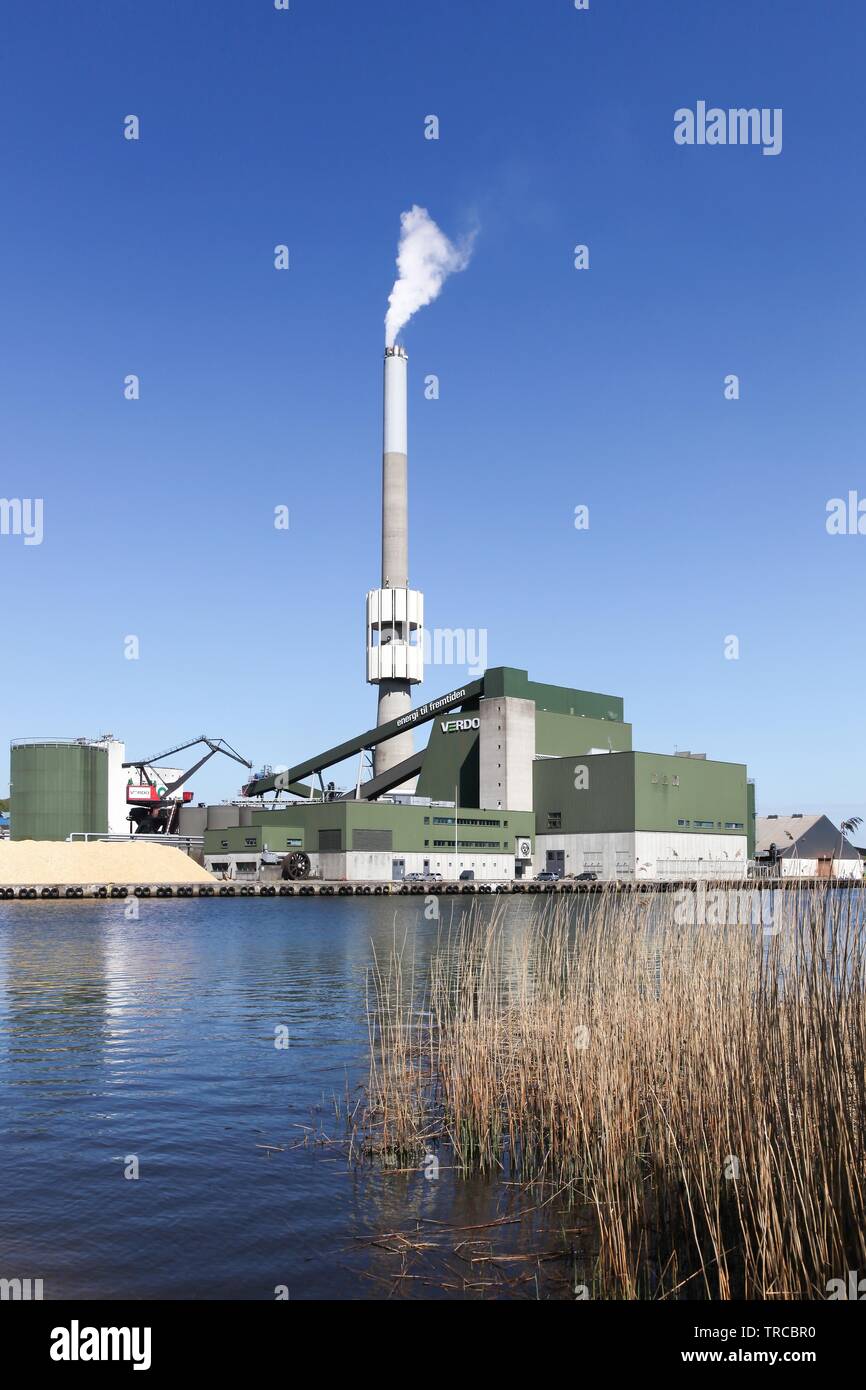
(396,429)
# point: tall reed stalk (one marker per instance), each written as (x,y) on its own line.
(700,1089)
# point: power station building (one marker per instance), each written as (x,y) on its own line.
(517,777)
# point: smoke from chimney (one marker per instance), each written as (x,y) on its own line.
(425,259)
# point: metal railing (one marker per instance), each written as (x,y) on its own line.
(83,742)
(716,869)
(184,842)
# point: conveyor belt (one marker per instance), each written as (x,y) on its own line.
(386,781)
(281,781)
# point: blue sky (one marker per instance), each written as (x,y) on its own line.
(558,388)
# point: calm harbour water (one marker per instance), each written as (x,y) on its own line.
(155,1038)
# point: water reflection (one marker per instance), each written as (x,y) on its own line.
(155,1037)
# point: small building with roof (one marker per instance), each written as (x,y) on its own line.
(803,846)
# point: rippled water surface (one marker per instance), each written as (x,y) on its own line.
(155,1038)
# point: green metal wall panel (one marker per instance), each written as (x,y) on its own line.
(451,760)
(707,792)
(606,803)
(58,789)
(558,699)
(562,727)
(637,791)
(559,735)
(413,828)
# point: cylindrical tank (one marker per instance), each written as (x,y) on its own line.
(222,817)
(192,820)
(58,787)
(246,815)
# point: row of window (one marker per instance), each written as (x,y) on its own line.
(711,824)
(462,820)
(554,822)
(465,844)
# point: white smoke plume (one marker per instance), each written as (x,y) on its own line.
(425,259)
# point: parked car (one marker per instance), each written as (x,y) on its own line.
(435,878)
(468,874)
(547,876)
(586,877)
(413,878)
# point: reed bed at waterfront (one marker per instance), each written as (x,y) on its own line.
(699,1091)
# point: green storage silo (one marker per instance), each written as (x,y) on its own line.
(57,787)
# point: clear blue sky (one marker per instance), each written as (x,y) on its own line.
(558,387)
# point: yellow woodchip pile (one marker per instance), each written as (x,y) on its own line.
(47,862)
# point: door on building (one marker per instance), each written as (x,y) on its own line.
(825,865)
(426,869)
(556,861)
(398,869)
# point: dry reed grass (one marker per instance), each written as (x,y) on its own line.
(700,1089)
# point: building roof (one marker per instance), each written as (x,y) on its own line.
(801,837)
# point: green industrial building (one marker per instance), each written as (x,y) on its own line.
(517,777)
(377,840)
(644,815)
(537,776)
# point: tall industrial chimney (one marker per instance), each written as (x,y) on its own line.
(395,613)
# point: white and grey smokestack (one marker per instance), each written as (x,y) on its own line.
(395,613)
(395,469)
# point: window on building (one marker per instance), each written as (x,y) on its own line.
(684,823)
(704,824)
(466,844)
(554,820)
(246,866)
(733,825)
(463,820)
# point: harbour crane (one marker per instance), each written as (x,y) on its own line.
(154,807)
